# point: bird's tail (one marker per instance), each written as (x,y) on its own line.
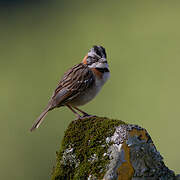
(40,119)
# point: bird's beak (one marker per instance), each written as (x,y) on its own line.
(103,60)
(102,63)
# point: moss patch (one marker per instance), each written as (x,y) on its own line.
(83,147)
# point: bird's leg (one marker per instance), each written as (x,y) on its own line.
(84,113)
(78,116)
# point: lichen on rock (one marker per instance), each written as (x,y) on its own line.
(83,150)
(101,148)
(135,157)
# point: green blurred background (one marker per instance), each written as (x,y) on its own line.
(39,40)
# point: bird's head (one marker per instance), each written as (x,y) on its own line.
(96,58)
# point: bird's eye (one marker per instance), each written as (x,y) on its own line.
(90,60)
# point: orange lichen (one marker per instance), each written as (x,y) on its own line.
(140,133)
(126,171)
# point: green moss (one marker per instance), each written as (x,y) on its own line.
(82,149)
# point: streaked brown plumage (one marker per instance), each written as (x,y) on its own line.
(80,84)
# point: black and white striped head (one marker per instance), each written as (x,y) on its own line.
(96,58)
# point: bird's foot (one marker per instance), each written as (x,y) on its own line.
(87,116)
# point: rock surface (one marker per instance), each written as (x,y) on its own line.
(102,148)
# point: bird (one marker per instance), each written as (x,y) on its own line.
(79,85)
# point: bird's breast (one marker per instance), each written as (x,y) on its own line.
(91,92)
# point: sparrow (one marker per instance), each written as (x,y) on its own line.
(79,85)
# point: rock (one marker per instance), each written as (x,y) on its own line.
(108,149)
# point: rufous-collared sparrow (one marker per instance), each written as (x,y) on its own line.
(80,84)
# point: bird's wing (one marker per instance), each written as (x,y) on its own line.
(75,80)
